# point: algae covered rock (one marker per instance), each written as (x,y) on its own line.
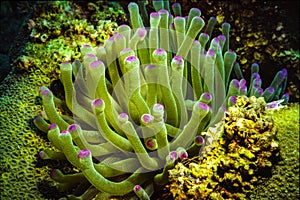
(245,150)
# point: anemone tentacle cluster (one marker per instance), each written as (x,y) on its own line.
(139,102)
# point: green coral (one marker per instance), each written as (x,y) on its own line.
(56,36)
(285,180)
(246,149)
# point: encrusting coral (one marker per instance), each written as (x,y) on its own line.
(140,102)
(246,149)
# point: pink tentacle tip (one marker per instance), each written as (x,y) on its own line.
(158,107)
(163,11)
(146,118)
(46,92)
(123,117)
(199,140)
(178,59)
(137,188)
(131,59)
(64,132)
(150,143)
(97,102)
(183,155)
(95,63)
(141,32)
(84,153)
(52,126)
(203,106)
(154,14)
(207,96)
(211,52)
(236,83)
(72,128)
(159,51)
(173,155)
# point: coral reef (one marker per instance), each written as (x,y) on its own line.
(18,93)
(246,149)
(284,183)
(20,176)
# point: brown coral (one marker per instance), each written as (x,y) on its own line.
(245,151)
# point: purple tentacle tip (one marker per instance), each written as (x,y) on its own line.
(52,126)
(178,59)
(284,72)
(236,83)
(151,143)
(147,118)
(242,82)
(163,11)
(203,106)
(123,117)
(199,140)
(233,99)
(222,37)
(64,132)
(141,32)
(158,107)
(173,155)
(270,89)
(207,96)
(95,64)
(90,55)
(84,153)
(211,52)
(154,14)
(72,128)
(160,51)
(97,102)
(183,155)
(287,95)
(204,34)
(256,75)
(46,92)
(137,188)
(131,59)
